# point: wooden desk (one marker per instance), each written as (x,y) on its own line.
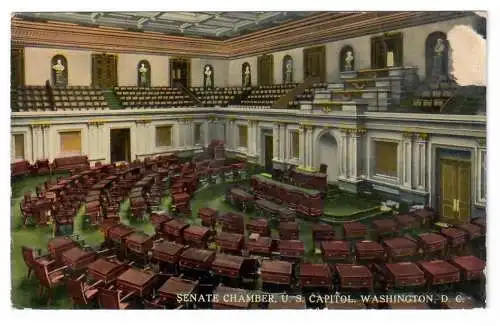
(404,274)
(354,230)
(354,276)
(119,232)
(369,250)
(232,222)
(208,216)
(159,218)
(239,197)
(315,275)
(197,236)
(431,242)
(470,267)
(57,246)
(481,222)
(322,232)
(473,231)
(227,265)
(385,226)
(259,226)
(177,286)
(440,272)
(174,229)
(456,237)
(276,272)
(400,247)
(139,243)
(335,250)
(197,259)
(260,246)
(289,230)
(230,242)
(137,281)
(168,252)
(76,258)
(406,221)
(106,271)
(291,248)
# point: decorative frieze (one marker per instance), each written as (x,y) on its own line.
(96,122)
(40,124)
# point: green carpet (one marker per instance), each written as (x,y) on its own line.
(24,290)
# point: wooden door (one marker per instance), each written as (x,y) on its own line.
(448,189)
(180,72)
(104,70)
(265,70)
(455,193)
(314,63)
(463,192)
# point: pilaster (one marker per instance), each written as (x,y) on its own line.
(408,138)
(302,144)
(344,135)
(421,166)
(356,136)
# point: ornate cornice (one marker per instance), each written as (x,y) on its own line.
(481,142)
(316,29)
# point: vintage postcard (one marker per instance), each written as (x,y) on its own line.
(248,160)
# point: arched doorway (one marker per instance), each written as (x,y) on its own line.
(328,154)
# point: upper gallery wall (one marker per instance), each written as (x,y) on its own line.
(228,72)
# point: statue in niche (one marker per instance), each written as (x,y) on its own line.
(59,69)
(208,78)
(349,58)
(288,72)
(247,76)
(438,64)
(143,75)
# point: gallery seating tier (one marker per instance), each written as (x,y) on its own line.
(30,98)
(307,95)
(79,98)
(216,96)
(266,95)
(152,97)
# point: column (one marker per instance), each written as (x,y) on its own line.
(177,141)
(354,149)
(37,141)
(206,133)
(407,160)
(46,141)
(276,141)
(344,134)
(421,168)
(283,142)
(308,147)
(252,138)
(92,139)
(302,145)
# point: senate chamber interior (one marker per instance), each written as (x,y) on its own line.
(246,155)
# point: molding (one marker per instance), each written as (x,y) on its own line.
(40,124)
(313,30)
(144,121)
(481,142)
(96,122)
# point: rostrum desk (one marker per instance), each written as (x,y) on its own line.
(305,201)
(196,236)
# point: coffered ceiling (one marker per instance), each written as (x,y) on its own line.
(205,24)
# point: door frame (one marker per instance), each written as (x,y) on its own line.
(128,153)
(171,62)
(458,161)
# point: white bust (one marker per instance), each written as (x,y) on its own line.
(208,71)
(289,66)
(247,70)
(349,58)
(143,68)
(440,47)
(58,67)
